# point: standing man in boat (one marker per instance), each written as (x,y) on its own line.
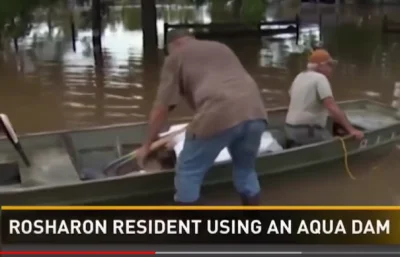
(311,101)
(229,112)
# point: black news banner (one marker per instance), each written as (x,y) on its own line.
(200,226)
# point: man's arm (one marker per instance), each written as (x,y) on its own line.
(325,94)
(167,98)
(337,114)
(157,118)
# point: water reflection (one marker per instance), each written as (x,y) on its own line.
(124,85)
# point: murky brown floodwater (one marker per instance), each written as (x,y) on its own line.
(47,86)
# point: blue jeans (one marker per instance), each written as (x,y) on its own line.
(198,155)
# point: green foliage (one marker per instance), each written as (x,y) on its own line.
(199,2)
(84,20)
(16,16)
(219,12)
(253,11)
(131,18)
(354,42)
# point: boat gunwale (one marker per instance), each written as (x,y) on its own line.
(185,118)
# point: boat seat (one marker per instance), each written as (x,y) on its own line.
(9,173)
(280,137)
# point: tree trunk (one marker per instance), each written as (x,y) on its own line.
(96,30)
(15,37)
(99,80)
(49,21)
(73,30)
(98,59)
(1,41)
(16,46)
(149,26)
(70,6)
(237,9)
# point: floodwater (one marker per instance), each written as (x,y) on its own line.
(48,86)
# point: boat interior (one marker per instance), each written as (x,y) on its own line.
(70,157)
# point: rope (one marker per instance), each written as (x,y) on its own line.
(121,161)
(346,163)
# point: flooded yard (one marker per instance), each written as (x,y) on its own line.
(49,85)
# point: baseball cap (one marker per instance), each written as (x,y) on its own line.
(321,56)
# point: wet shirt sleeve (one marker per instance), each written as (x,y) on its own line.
(324,88)
(168,93)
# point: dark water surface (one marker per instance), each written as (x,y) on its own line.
(48,86)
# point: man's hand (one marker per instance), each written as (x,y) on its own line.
(141,155)
(357,134)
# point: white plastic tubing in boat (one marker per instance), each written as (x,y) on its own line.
(268,143)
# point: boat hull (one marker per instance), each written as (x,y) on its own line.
(137,188)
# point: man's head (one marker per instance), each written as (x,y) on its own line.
(321,61)
(177,38)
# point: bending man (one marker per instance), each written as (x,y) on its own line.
(229,112)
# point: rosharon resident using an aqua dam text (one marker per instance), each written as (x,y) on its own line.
(194,226)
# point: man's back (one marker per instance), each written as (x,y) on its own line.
(217,87)
(306,94)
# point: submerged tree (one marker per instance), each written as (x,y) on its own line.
(16,17)
(96,31)
(149,26)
